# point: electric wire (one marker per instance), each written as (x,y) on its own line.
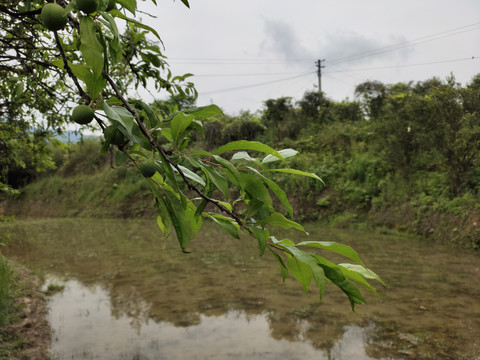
(423,39)
(256,85)
(409,65)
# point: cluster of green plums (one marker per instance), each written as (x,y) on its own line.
(54,16)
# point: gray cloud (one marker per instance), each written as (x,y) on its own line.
(283,41)
(362,49)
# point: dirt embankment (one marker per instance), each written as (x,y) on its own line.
(29,336)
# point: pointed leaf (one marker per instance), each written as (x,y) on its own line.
(179,124)
(335,275)
(130,5)
(366,273)
(297,172)
(120,115)
(227,224)
(262,238)
(300,271)
(277,219)
(243,155)
(279,193)
(90,47)
(117,13)
(248,145)
(357,277)
(255,189)
(341,249)
(204,112)
(191,175)
(283,268)
(286,153)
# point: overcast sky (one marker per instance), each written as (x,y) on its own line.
(247,51)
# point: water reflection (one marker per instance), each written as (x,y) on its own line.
(232,335)
(141,284)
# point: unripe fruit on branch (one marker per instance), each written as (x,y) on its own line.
(148,168)
(87,6)
(54,17)
(116,136)
(82,114)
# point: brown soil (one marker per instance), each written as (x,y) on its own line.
(31,334)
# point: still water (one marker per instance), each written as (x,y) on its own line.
(132,294)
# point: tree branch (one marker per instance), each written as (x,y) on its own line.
(165,153)
(69,71)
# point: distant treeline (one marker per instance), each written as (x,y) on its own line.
(401,156)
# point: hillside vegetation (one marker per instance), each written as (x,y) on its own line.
(403,157)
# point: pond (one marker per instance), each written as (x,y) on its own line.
(129,293)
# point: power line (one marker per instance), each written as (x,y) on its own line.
(255,85)
(223,61)
(423,39)
(252,74)
(408,65)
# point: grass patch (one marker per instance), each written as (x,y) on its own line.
(6,296)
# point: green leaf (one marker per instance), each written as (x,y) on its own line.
(218,180)
(297,172)
(115,44)
(283,268)
(341,249)
(139,137)
(255,189)
(161,224)
(227,224)
(286,153)
(366,273)
(232,170)
(243,155)
(208,192)
(299,254)
(319,277)
(179,124)
(117,13)
(185,2)
(130,5)
(94,85)
(300,271)
(204,112)
(183,220)
(279,193)
(170,174)
(357,277)
(164,220)
(336,276)
(90,47)
(248,145)
(262,238)
(277,219)
(191,175)
(120,115)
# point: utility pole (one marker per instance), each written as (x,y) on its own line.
(319,74)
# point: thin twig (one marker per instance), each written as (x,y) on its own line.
(69,71)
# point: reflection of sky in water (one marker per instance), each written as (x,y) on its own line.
(84,328)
